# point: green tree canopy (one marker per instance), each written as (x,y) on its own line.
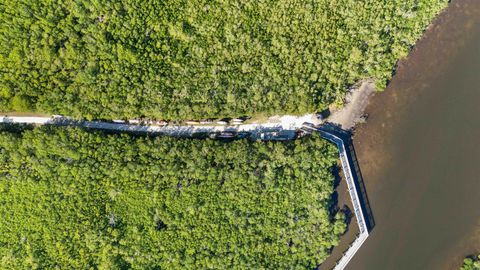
(177,59)
(471,263)
(71,199)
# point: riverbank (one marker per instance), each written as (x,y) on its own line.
(353,110)
(418,151)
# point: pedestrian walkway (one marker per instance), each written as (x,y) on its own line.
(347,164)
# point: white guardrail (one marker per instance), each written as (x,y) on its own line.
(352,190)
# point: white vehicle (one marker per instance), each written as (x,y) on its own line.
(236,121)
(161,123)
(134,121)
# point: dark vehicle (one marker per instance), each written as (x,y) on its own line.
(283,135)
(226,135)
(243,135)
(222,135)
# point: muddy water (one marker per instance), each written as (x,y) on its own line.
(420,152)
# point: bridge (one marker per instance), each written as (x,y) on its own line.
(347,158)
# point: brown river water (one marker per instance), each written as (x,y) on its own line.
(419,151)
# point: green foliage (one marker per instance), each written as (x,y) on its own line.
(471,264)
(71,199)
(177,59)
(20,103)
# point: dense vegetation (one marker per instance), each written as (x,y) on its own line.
(471,264)
(177,59)
(71,199)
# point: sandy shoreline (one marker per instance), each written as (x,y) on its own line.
(353,111)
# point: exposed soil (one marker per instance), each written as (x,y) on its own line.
(355,103)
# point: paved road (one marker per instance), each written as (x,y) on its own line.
(286,127)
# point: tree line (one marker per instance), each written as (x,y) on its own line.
(77,199)
(178,59)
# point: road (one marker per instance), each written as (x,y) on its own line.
(287,125)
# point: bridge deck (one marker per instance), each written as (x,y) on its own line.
(346,159)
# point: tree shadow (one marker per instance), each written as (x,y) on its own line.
(366,207)
(348,216)
(346,136)
(15,127)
